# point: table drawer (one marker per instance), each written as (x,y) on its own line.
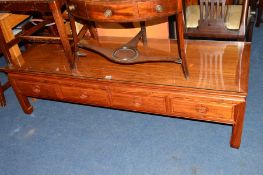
(37,89)
(202,109)
(122,11)
(89,95)
(139,102)
(157,8)
(112,11)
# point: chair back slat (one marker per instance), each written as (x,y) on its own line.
(217,20)
(212,9)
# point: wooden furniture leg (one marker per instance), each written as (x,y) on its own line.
(7,22)
(259,14)
(4,48)
(12,55)
(180,40)
(54,7)
(2,97)
(23,100)
(25,104)
(75,35)
(237,127)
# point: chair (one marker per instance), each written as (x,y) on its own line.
(50,11)
(219,19)
(7,22)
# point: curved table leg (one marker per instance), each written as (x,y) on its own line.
(180,40)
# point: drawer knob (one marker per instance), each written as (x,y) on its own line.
(36,89)
(201,109)
(84,96)
(72,7)
(108,13)
(159,8)
(137,101)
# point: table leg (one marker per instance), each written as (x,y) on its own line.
(237,128)
(23,100)
(180,41)
(54,7)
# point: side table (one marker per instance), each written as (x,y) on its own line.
(123,11)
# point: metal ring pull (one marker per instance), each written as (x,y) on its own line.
(108,13)
(159,8)
(125,54)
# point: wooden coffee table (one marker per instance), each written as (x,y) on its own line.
(216,91)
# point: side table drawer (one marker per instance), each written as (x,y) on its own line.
(85,95)
(112,11)
(208,110)
(155,8)
(38,89)
(122,11)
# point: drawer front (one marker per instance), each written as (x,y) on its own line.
(112,12)
(122,11)
(155,8)
(41,90)
(208,110)
(138,102)
(95,95)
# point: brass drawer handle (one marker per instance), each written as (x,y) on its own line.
(159,8)
(201,109)
(108,13)
(84,96)
(137,101)
(36,89)
(72,7)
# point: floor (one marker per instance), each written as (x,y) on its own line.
(69,139)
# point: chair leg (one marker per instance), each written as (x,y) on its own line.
(93,30)
(2,97)
(75,36)
(4,48)
(259,15)
(54,7)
